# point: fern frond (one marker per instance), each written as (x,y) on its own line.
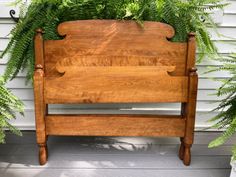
(9,105)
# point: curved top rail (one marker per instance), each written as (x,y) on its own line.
(109,27)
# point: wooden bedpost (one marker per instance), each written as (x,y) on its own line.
(40,107)
(190,107)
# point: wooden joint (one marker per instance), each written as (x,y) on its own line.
(187,145)
(193,71)
(42,145)
(38,66)
(39,73)
(191,37)
(39,49)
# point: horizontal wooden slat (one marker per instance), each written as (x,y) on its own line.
(203,95)
(20,83)
(115,85)
(119,125)
(110,28)
(201,73)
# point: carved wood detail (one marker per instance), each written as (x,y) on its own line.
(110,61)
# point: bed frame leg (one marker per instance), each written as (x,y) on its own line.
(187,154)
(181,149)
(43,154)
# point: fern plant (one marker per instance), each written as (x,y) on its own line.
(227,116)
(9,104)
(184,16)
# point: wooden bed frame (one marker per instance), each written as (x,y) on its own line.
(109,61)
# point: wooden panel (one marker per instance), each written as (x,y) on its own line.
(106,27)
(115,125)
(115,43)
(115,84)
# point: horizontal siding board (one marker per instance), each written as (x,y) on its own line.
(3,67)
(7,21)
(5,8)
(19,82)
(5,30)
(223,34)
(230,9)
(228,20)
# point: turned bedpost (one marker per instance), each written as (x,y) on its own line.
(40,107)
(190,107)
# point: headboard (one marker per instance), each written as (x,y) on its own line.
(108,61)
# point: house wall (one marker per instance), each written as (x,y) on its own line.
(206,102)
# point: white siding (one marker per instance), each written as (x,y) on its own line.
(206,101)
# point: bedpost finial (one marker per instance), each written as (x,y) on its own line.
(191,34)
(39,30)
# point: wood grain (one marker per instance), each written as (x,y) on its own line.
(115,125)
(109,61)
(189,110)
(115,84)
(40,106)
(115,43)
(39,49)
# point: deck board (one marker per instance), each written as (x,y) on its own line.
(113,173)
(113,156)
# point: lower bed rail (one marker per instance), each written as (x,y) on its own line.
(115,125)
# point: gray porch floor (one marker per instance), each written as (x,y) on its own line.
(113,157)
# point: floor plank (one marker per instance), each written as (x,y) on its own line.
(113,173)
(113,156)
(199,138)
(115,161)
(77,148)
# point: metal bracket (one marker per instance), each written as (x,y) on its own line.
(12,13)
